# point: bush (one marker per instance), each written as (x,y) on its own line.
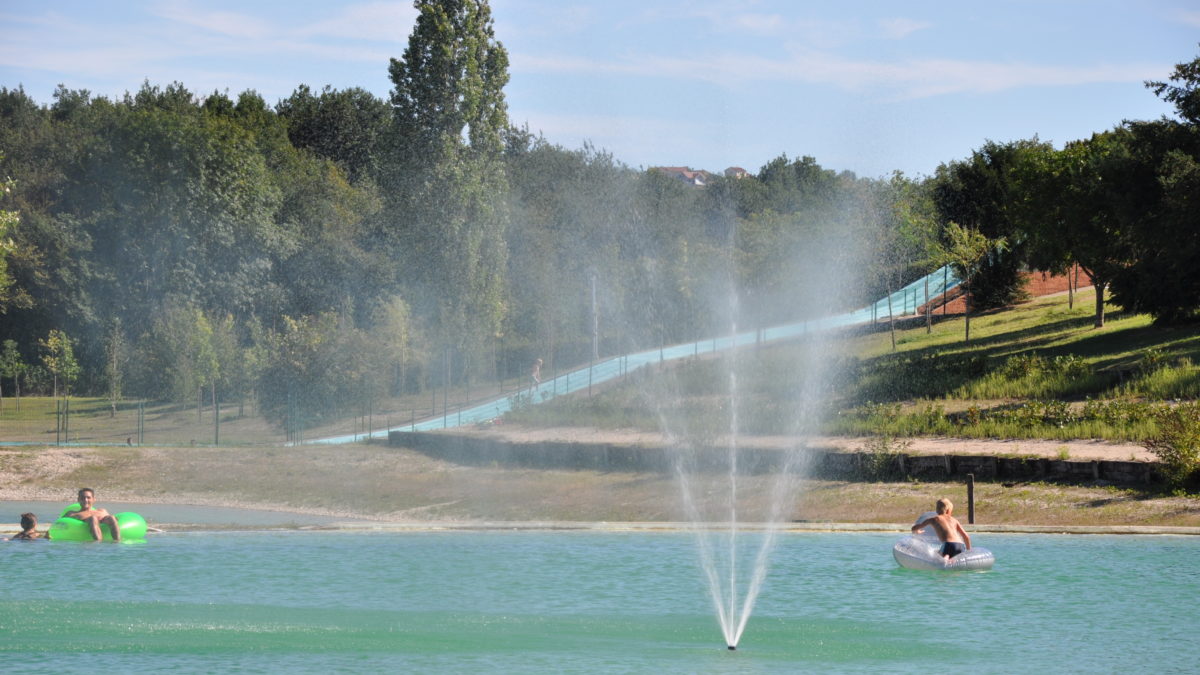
(1177,442)
(881,461)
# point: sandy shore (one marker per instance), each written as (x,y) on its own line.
(395,487)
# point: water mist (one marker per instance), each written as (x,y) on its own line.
(737,508)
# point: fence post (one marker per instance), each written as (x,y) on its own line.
(970,499)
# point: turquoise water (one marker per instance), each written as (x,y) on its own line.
(588,602)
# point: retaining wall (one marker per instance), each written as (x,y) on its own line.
(483,451)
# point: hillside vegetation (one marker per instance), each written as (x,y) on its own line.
(1037,370)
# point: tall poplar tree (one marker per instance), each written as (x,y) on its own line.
(448,184)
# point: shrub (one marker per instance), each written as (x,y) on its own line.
(882,455)
(1177,442)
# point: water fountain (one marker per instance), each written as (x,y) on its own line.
(735,562)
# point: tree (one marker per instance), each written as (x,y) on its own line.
(1158,209)
(978,194)
(1073,208)
(966,249)
(903,238)
(1161,205)
(1185,94)
(8,223)
(58,356)
(345,126)
(12,366)
(447,171)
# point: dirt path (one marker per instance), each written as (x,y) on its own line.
(1087,450)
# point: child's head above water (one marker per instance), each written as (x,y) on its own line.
(944,506)
(28,521)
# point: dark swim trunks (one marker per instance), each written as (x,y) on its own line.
(953,548)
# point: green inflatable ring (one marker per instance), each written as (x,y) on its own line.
(132,527)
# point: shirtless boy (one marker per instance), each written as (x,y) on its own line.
(95,517)
(948,529)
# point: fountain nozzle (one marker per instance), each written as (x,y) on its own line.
(733,648)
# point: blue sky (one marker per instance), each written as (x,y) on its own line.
(869,87)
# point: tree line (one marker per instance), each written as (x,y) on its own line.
(336,247)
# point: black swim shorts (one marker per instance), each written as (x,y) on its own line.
(953,548)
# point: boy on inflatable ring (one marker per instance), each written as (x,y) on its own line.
(94,517)
(955,540)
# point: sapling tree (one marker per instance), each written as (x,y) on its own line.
(966,250)
(11,366)
(58,355)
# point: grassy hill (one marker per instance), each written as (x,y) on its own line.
(1038,370)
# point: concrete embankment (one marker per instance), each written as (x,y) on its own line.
(817,459)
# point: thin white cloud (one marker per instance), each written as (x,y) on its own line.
(901,28)
(231,24)
(917,78)
(763,24)
(1188,17)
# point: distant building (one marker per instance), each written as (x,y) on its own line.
(697,178)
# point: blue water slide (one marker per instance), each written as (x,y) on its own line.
(904,301)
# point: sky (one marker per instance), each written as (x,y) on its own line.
(865,86)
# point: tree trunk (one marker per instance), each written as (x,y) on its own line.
(1099,284)
(967,310)
(1072,277)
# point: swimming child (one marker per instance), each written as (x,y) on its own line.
(950,532)
(28,528)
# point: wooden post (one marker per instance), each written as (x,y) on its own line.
(970,499)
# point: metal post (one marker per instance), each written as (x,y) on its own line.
(595,322)
(970,499)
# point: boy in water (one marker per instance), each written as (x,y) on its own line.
(28,528)
(93,516)
(948,529)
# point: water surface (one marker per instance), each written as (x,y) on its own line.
(587,602)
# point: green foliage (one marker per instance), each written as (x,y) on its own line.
(976,193)
(58,355)
(320,368)
(448,177)
(1177,442)
(882,455)
(12,366)
(1032,375)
